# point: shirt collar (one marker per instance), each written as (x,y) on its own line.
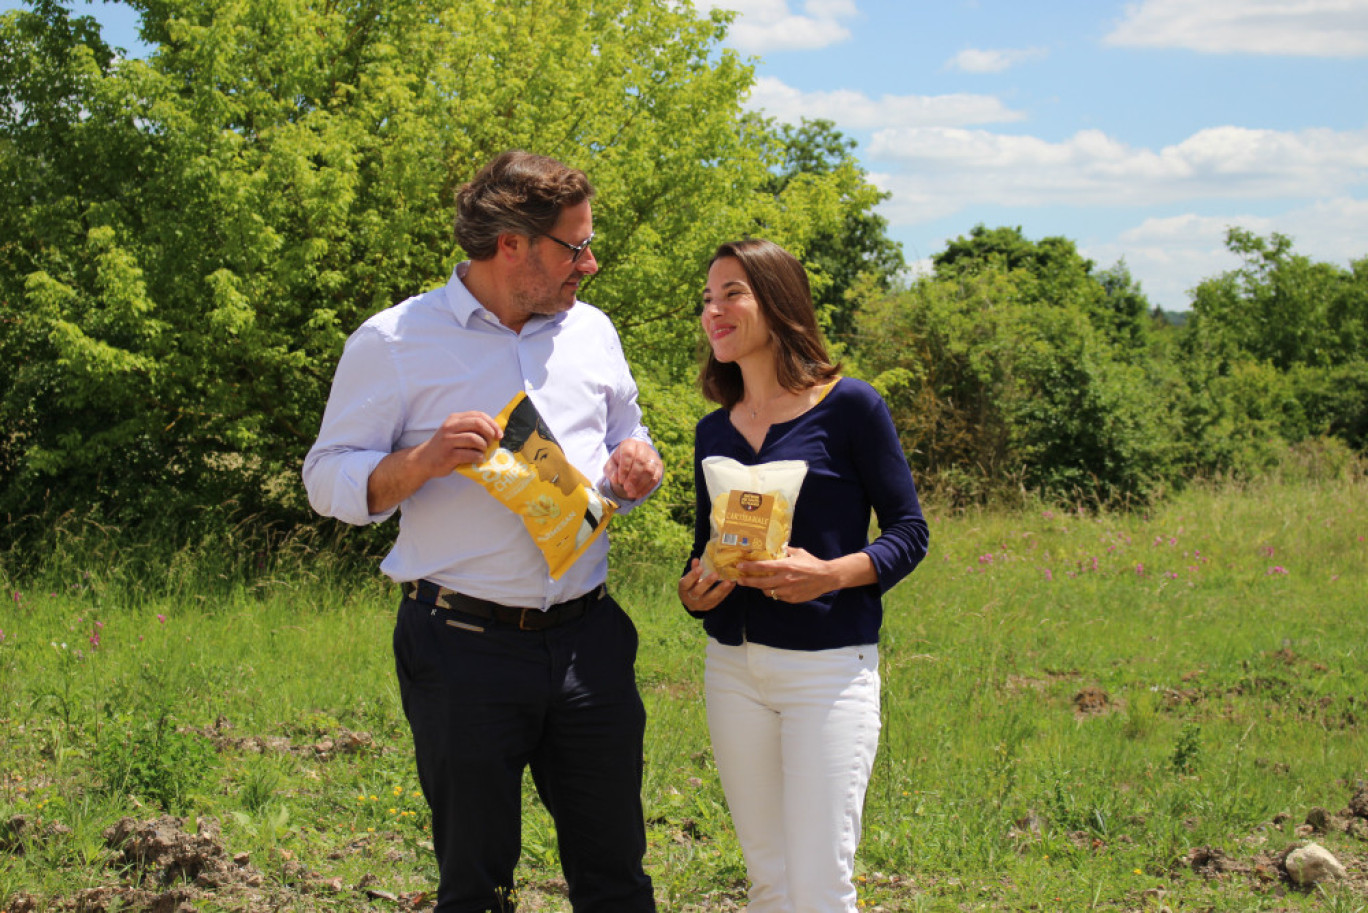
(464,306)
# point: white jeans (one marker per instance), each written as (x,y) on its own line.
(794,734)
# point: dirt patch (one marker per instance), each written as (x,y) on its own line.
(20,832)
(1018,684)
(158,866)
(1266,869)
(162,852)
(1179,697)
(161,867)
(1092,701)
(1358,805)
(1211,862)
(338,742)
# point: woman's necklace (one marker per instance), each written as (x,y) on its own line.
(764,404)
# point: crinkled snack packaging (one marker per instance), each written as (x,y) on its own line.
(528,472)
(752,511)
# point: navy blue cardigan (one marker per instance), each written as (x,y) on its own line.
(855,465)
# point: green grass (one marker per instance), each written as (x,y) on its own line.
(1073,704)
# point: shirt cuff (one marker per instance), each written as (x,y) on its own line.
(606,489)
(349,494)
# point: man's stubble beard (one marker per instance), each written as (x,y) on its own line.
(532,296)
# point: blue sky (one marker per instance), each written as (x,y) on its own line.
(1140,130)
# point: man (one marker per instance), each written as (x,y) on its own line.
(500,666)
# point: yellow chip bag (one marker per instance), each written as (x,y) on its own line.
(752,511)
(530,474)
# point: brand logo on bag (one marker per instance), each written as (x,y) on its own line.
(503,471)
(749,500)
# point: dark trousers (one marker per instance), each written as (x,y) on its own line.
(485,701)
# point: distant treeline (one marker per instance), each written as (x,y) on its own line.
(1017,365)
(187,240)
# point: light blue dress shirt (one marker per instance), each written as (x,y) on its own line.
(409,367)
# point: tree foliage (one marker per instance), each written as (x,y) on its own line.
(1017,365)
(996,385)
(1281,307)
(1059,275)
(188,239)
(856,253)
(1283,342)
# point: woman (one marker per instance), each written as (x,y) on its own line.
(791,676)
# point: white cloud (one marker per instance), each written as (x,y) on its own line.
(857,111)
(943,168)
(1175,253)
(1171,255)
(1330,230)
(1316,28)
(977,60)
(769,25)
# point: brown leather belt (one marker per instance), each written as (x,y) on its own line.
(524,619)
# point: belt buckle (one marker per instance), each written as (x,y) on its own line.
(522,620)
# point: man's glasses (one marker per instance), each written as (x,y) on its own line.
(575,249)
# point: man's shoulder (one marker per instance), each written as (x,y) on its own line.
(586,325)
(589,315)
(412,313)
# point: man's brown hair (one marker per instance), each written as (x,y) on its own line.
(517,193)
(780,286)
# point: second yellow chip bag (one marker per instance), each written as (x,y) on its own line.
(752,511)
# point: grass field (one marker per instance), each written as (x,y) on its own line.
(1081,712)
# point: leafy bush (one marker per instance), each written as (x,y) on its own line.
(1335,400)
(147,756)
(662,528)
(988,380)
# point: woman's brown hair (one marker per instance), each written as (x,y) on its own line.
(780,286)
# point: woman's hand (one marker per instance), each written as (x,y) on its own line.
(701,591)
(802,576)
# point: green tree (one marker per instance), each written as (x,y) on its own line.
(1112,300)
(1126,311)
(1282,307)
(857,247)
(1278,350)
(1054,260)
(188,239)
(995,390)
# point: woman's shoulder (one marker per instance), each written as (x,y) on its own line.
(714,421)
(851,392)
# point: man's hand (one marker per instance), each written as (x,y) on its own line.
(701,591)
(462,438)
(633,470)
